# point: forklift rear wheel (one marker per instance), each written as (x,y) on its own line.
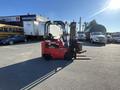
(68,56)
(47,57)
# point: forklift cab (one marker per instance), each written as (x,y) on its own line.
(53,49)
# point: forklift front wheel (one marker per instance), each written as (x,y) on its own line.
(68,56)
(47,57)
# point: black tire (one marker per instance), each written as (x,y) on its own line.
(104,44)
(68,56)
(91,41)
(47,57)
(25,40)
(11,42)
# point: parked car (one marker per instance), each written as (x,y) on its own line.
(13,39)
(116,38)
(109,39)
(98,37)
(81,36)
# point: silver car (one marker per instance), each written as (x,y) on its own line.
(81,37)
(116,38)
(109,39)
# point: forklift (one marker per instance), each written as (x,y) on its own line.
(61,48)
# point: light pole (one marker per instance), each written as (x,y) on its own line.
(80,24)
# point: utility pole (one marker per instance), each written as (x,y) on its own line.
(80,24)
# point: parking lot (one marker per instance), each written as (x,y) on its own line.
(21,67)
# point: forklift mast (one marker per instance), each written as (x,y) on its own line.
(72,30)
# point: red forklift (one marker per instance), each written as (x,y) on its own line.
(53,49)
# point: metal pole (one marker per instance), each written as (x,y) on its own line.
(80,24)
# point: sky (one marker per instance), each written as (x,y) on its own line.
(66,10)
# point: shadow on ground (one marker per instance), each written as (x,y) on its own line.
(82,57)
(28,74)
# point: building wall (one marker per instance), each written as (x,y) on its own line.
(18,19)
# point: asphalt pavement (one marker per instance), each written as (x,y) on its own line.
(21,67)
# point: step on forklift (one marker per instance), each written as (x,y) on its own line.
(62,48)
